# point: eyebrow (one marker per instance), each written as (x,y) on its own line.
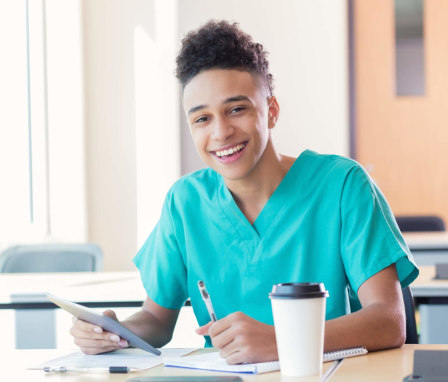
(227,100)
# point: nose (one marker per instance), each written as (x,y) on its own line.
(222,129)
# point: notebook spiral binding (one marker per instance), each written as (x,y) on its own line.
(345,353)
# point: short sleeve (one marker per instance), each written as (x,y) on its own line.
(161,264)
(370,237)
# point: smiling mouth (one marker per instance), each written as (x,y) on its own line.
(230,152)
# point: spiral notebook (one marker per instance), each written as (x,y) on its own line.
(212,361)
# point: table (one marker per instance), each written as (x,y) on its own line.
(95,289)
(386,365)
(35,318)
(428,248)
(431,297)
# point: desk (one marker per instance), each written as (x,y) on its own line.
(428,248)
(431,296)
(386,365)
(95,289)
(35,319)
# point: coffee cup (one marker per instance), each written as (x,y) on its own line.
(299,320)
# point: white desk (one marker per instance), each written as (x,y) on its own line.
(93,288)
(431,297)
(35,318)
(386,365)
(428,248)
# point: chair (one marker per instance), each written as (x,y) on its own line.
(411,325)
(35,328)
(51,258)
(420,223)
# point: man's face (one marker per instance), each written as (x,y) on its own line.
(229,116)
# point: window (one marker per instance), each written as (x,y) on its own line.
(23,194)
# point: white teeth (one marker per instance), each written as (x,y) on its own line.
(229,151)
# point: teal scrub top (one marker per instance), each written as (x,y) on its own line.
(326,222)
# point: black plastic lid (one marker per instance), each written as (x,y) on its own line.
(298,290)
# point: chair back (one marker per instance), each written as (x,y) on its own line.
(411,325)
(420,223)
(52,258)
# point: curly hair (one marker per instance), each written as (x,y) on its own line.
(222,45)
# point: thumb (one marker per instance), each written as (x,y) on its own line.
(203,330)
(111,314)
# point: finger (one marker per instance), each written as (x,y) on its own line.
(93,350)
(94,343)
(118,340)
(89,331)
(221,325)
(83,325)
(203,330)
(100,343)
(106,336)
(225,339)
(111,314)
(86,326)
(234,358)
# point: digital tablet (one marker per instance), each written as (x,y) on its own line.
(107,323)
(185,378)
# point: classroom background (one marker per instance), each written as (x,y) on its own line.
(92,132)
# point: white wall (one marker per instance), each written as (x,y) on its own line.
(307,42)
(131,121)
(14,193)
(67,204)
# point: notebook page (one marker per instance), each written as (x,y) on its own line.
(213,361)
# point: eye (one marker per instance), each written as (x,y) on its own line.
(200,120)
(237,109)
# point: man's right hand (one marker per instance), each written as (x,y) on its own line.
(92,339)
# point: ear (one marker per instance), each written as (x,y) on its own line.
(273,111)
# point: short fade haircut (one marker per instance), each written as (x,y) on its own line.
(222,45)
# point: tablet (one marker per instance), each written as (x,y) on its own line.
(185,378)
(107,323)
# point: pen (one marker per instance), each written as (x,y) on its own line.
(331,370)
(207,301)
(63,369)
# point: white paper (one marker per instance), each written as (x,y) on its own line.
(131,358)
(213,361)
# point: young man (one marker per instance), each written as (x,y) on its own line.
(255,217)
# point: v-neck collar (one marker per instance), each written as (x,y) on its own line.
(267,216)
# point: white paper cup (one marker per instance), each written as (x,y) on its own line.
(299,320)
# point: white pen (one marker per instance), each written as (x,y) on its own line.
(207,301)
(63,369)
(331,370)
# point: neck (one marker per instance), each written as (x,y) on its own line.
(253,192)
